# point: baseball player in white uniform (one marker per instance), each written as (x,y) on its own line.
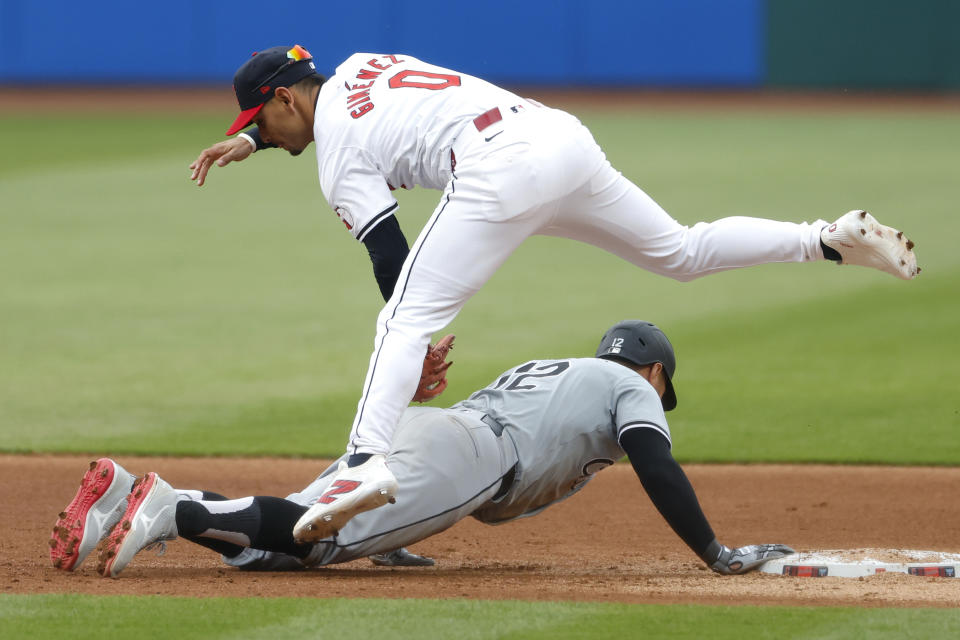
(535,436)
(508,168)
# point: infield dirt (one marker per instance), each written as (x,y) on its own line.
(607,543)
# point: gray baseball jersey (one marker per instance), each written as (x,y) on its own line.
(565,418)
(535,436)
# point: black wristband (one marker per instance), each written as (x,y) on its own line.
(254,134)
(712,553)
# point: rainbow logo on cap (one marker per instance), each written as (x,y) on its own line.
(298,53)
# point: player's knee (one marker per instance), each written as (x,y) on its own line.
(412,331)
(683,275)
(684,261)
(679,267)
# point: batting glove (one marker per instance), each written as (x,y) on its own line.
(729,561)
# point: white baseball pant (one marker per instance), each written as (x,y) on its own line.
(448,463)
(537,172)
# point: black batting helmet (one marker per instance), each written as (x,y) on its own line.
(641,343)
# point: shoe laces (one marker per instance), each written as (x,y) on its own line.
(160,544)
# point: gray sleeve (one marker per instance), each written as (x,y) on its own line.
(635,405)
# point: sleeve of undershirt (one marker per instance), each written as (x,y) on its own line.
(668,486)
(388,249)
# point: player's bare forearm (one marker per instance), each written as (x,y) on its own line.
(222,153)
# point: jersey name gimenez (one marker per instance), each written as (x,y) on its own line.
(566,418)
(387,121)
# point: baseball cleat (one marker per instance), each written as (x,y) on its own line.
(352,490)
(861,240)
(149,521)
(95,509)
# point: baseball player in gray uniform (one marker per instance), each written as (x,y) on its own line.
(535,436)
(509,168)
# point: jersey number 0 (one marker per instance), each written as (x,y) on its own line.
(423,80)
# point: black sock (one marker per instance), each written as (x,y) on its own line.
(830,253)
(222,547)
(193,519)
(357,459)
(278,516)
(267,523)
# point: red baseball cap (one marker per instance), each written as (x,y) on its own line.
(257,80)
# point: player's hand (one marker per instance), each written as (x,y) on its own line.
(433,380)
(744,559)
(223,153)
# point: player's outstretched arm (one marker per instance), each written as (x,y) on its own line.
(223,153)
(673,496)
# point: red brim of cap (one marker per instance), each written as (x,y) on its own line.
(243,120)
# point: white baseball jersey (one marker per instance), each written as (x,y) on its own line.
(386,122)
(509,169)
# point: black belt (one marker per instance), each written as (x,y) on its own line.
(507,481)
(491,422)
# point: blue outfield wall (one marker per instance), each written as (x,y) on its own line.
(698,43)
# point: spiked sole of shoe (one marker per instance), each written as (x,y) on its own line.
(330,523)
(889,247)
(109,547)
(67,535)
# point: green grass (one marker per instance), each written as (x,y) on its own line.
(63,142)
(80,617)
(139,314)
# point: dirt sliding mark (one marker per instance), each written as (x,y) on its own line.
(605,544)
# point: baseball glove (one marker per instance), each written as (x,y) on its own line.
(433,379)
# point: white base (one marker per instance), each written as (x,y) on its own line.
(859,563)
